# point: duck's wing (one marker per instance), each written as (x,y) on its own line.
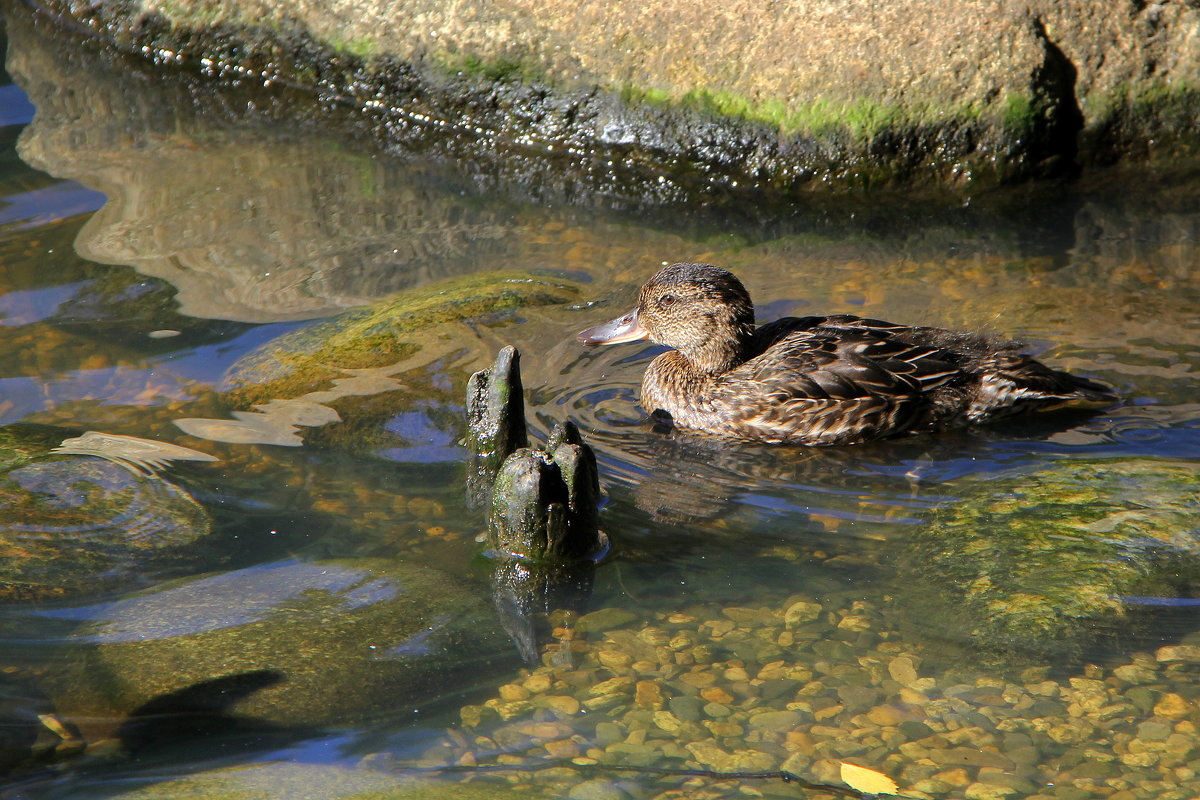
(822,384)
(845,356)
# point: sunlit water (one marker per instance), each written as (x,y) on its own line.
(155,230)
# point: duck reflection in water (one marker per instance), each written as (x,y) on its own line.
(828,380)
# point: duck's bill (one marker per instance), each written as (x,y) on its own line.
(622,329)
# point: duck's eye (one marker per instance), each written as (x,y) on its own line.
(667,300)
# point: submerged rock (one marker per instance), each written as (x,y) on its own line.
(299,643)
(85,519)
(1036,561)
(300,781)
(376,378)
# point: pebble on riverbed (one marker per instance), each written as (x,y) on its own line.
(808,684)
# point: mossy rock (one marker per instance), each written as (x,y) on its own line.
(343,379)
(1036,562)
(387,333)
(316,644)
(71,524)
(306,782)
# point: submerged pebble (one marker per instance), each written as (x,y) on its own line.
(731,690)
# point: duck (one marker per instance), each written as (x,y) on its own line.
(822,380)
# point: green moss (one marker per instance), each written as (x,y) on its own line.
(362,47)
(496,70)
(860,118)
(1017,118)
(21,442)
(309,358)
(1035,562)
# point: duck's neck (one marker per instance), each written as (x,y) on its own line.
(721,353)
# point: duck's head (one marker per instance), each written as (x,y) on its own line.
(702,311)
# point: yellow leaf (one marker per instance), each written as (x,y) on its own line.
(867,780)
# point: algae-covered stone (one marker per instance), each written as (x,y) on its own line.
(381,377)
(1034,561)
(76,523)
(387,333)
(329,642)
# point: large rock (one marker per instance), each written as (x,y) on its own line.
(287,643)
(379,377)
(804,94)
(1039,562)
(300,781)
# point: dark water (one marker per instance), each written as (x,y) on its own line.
(155,229)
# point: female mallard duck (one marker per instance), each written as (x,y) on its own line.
(821,380)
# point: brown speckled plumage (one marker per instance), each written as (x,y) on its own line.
(821,380)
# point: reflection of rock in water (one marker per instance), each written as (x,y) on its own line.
(248,227)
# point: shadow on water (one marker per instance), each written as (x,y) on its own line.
(160,228)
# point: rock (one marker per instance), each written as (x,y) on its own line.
(82,515)
(687,709)
(1154,730)
(667,721)
(597,789)
(604,619)
(824,96)
(774,721)
(800,612)
(299,781)
(1135,674)
(890,715)
(287,643)
(988,791)
(970,756)
(1187,653)
(342,379)
(1035,563)
(562,704)
(1173,706)
(903,670)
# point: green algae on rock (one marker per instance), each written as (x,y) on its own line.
(71,524)
(386,333)
(348,369)
(346,640)
(1035,561)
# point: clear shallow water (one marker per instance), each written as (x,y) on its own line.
(132,207)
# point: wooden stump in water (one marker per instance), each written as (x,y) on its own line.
(543,526)
(544,502)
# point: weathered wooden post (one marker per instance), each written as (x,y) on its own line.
(544,502)
(543,525)
(495,422)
